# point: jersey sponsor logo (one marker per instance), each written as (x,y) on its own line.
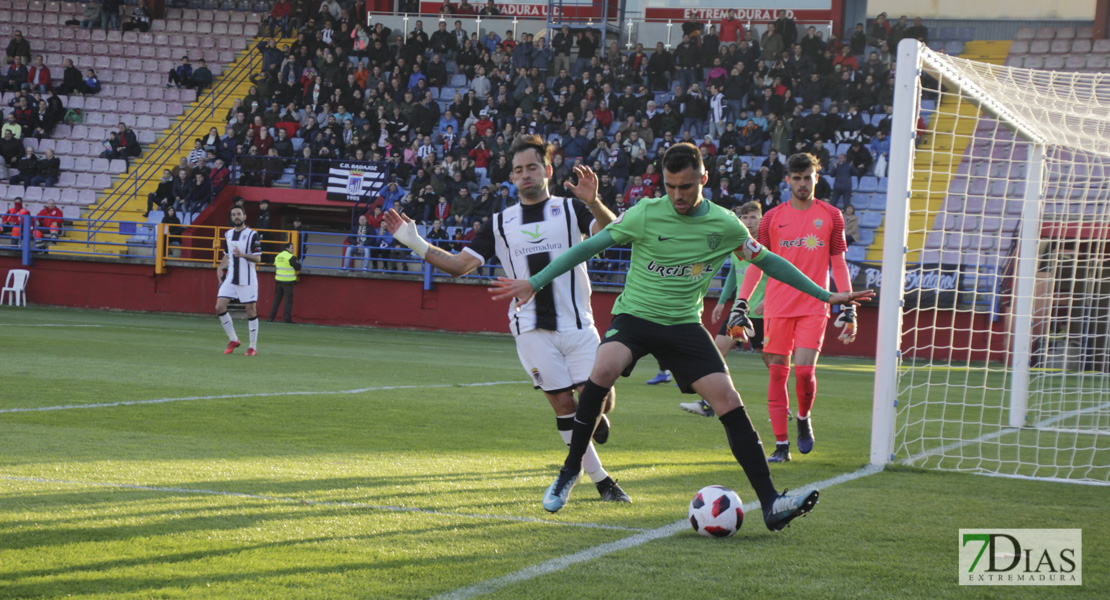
(818,223)
(809,242)
(537,248)
(536,376)
(693,271)
(751,248)
(535,235)
(714,240)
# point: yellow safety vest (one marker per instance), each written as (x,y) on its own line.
(284,272)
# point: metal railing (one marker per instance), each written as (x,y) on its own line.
(204,244)
(152,164)
(37,238)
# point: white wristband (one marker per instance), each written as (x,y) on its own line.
(420,246)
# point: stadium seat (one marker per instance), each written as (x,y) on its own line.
(1060,47)
(856,254)
(868,184)
(1046,32)
(866,237)
(871,219)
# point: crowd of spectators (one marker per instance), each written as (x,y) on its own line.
(34,110)
(748,97)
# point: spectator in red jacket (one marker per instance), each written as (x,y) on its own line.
(731,28)
(50,220)
(279,17)
(38,76)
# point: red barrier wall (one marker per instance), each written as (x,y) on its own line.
(342,299)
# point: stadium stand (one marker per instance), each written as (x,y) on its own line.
(132,68)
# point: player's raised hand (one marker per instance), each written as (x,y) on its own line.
(393,221)
(851,298)
(505,288)
(404,230)
(586,190)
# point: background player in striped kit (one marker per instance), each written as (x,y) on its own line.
(239,280)
(555,335)
(810,234)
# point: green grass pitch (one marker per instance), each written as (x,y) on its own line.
(353,463)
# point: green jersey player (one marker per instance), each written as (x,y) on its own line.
(678,243)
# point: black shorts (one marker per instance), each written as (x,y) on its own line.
(687,350)
(756,340)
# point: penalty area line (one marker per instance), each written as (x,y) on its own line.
(562,562)
(256,395)
(320,503)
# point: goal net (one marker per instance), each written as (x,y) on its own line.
(994,325)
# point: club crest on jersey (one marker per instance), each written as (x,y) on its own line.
(713,239)
(556,211)
(818,223)
(536,376)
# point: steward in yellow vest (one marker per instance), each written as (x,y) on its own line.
(287,265)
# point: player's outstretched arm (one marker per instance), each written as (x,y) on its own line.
(404,230)
(784,271)
(523,289)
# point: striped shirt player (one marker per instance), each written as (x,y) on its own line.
(239,279)
(810,234)
(555,335)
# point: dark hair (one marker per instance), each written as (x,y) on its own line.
(801,161)
(531,142)
(680,157)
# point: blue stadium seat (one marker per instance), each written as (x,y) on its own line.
(458,81)
(871,219)
(866,237)
(446,94)
(868,184)
(954,47)
(878,201)
(856,253)
(966,34)
(861,201)
(855,183)
(947,33)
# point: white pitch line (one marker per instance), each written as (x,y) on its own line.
(324,503)
(562,562)
(256,395)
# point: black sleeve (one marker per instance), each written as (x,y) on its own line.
(255,243)
(295,263)
(483,243)
(583,214)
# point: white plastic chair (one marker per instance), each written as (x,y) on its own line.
(16,286)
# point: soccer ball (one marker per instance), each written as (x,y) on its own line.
(716,511)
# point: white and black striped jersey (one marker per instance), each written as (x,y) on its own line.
(527,238)
(240,271)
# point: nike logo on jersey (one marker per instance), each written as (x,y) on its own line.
(663,239)
(781,226)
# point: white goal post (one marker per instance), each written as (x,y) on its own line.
(993,351)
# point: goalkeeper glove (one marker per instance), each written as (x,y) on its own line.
(846,320)
(739,325)
(407,235)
